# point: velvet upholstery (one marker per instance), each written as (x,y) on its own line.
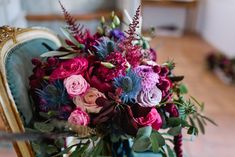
(19,67)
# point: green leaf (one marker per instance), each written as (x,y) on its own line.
(201,126)
(209,120)
(160,138)
(144,131)
(69,56)
(171,153)
(108,65)
(192,121)
(97,149)
(65,151)
(142,144)
(50,149)
(154,142)
(43,127)
(173,121)
(59,142)
(36,147)
(71,38)
(183,89)
(54,53)
(174,131)
(192,131)
(82,150)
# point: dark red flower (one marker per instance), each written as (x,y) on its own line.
(164,71)
(93,77)
(172,110)
(115,58)
(134,56)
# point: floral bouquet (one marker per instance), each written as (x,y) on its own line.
(104,94)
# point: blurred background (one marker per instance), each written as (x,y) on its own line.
(187,31)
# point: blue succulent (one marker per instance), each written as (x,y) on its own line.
(105,46)
(53,95)
(130,85)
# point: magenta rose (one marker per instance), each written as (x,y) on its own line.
(75,85)
(153,119)
(79,117)
(87,102)
(70,67)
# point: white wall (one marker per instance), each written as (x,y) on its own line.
(216,23)
(11,13)
(160,16)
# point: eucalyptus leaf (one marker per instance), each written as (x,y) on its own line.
(174,121)
(174,131)
(43,127)
(142,144)
(54,53)
(144,131)
(154,142)
(71,38)
(50,149)
(36,147)
(69,56)
(160,138)
(171,152)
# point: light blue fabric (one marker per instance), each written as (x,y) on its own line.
(19,67)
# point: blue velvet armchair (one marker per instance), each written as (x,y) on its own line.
(17,48)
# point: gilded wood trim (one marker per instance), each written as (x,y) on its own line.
(9,38)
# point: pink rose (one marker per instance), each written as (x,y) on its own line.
(79,117)
(88,101)
(76,85)
(153,119)
(70,67)
(149,98)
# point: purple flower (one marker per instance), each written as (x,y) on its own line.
(149,98)
(117,34)
(149,78)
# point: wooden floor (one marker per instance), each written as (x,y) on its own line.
(189,53)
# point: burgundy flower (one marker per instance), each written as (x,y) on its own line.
(164,71)
(115,58)
(165,84)
(93,78)
(172,110)
(70,67)
(106,113)
(125,120)
(134,56)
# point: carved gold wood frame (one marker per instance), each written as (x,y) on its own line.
(9,38)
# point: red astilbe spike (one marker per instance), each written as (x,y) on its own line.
(132,27)
(74,28)
(178,142)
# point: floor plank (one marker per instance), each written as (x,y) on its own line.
(189,53)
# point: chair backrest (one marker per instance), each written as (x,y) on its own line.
(17,48)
